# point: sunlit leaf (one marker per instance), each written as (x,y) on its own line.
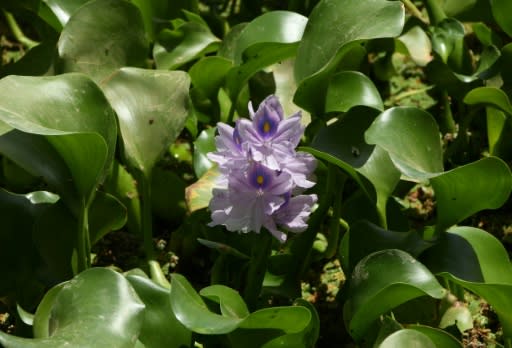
(152,106)
(193,313)
(382,281)
(97,308)
(198,194)
(500,9)
(204,143)
(63,9)
(407,338)
(489,96)
(230,302)
(440,338)
(411,137)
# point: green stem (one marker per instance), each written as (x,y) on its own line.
(146,225)
(257,268)
(84,243)
(16,31)
(303,244)
(409,5)
(435,11)
(334,225)
(447,124)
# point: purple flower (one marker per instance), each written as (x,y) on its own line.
(261,172)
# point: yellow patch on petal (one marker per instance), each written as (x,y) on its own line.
(266,127)
(260,179)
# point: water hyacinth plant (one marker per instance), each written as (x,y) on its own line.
(365,200)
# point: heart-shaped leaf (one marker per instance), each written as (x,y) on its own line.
(152,107)
(229,300)
(97,308)
(490,96)
(101,37)
(407,338)
(381,281)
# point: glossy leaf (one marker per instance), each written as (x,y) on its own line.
(418,45)
(63,9)
(459,316)
(440,338)
(417,155)
(500,9)
(193,313)
(83,132)
(350,88)
(160,327)
(197,40)
(481,265)
(489,96)
(363,231)
(230,302)
(20,213)
(407,338)
(106,214)
(97,308)
(468,189)
(209,73)
(204,143)
(268,39)
(151,107)
(101,37)
(276,26)
(382,281)
(334,23)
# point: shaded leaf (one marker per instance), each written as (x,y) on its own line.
(489,96)
(63,9)
(440,338)
(160,327)
(230,302)
(209,73)
(500,9)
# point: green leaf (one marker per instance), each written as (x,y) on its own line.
(193,313)
(500,11)
(411,137)
(153,11)
(204,143)
(489,96)
(362,231)
(457,315)
(440,338)
(230,302)
(106,214)
(350,88)
(407,338)
(20,212)
(269,38)
(98,308)
(334,23)
(382,281)
(465,190)
(275,26)
(101,37)
(151,106)
(209,73)
(83,132)
(168,195)
(41,327)
(418,45)
(478,262)
(182,45)
(335,28)
(160,327)
(63,9)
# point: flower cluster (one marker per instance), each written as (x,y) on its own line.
(262,176)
